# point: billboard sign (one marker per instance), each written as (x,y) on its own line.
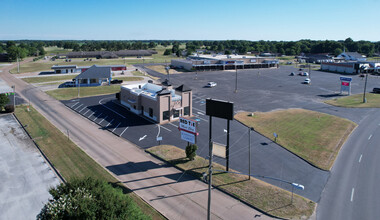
(220,109)
(189,137)
(342,78)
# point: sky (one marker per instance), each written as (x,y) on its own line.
(280,20)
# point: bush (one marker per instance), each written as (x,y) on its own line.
(9,108)
(191,151)
(89,199)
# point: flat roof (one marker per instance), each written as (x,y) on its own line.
(224,57)
(4,87)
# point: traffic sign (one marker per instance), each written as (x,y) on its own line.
(189,137)
(188,125)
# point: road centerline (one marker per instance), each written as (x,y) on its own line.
(352,194)
(360,158)
(370,137)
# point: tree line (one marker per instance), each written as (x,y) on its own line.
(23,48)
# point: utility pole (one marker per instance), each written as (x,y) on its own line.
(309,71)
(249,152)
(365,87)
(18,65)
(14,97)
(209,171)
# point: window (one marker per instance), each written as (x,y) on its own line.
(166,115)
(175,113)
(150,112)
(93,81)
(186,110)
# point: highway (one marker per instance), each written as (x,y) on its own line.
(352,191)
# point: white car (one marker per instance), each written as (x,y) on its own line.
(307,81)
(211,84)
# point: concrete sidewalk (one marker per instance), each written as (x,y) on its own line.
(165,188)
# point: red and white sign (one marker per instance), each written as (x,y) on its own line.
(188,125)
(345,83)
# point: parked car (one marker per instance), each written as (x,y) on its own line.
(307,81)
(69,84)
(303,74)
(292,74)
(116,81)
(211,84)
(289,63)
(376,90)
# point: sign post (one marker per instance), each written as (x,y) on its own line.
(219,109)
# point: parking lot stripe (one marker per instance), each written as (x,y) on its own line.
(74,105)
(123,131)
(83,109)
(78,107)
(86,112)
(91,115)
(173,124)
(110,122)
(97,117)
(116,127)
(103,119)
(199,109)
(166,128)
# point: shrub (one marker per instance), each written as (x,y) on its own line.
(9,108)
(191,151)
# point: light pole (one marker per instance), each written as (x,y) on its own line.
(236,78)
(249,151)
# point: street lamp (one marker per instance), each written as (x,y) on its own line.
(235,78)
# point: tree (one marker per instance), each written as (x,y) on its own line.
(337,51)
(167,52)
(227,52)
(191,151)
(152,45)
(89,199)
(15,52)
(4,100)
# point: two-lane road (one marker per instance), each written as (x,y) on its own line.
(353,191)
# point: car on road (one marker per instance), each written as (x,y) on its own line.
(116,81)
(211,84)
(303,74)
(376,90)
(307,81)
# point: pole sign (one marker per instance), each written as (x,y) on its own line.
(187,125)
(345,84)
(189,137)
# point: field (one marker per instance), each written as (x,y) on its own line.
(259,194)
(313,136)
(68,158)
(356,101)
(71,93)
(45,65)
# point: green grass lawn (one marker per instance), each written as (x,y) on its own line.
(67,157)
(314,136)
(356,101)
(56,50)
(259,194)
(45,65)
(71,93)
(129,78)
(48,78)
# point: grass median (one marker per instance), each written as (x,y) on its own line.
(259,194)
(313,136)
(67,157)
(356,101)
(42,79)
(71,93)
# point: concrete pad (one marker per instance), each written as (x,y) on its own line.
(25,175)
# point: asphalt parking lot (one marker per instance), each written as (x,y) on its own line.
(258,90)
(268,159)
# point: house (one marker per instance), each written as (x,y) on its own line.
(352,56)
(58,69)
(159,103)
(110,54)
(318,58)
(94,76)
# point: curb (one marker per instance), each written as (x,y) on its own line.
(41,152)
(215,187)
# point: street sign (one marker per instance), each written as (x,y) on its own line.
(345,84)
(275,134)
(188,125)
(189,137)
(159,138)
